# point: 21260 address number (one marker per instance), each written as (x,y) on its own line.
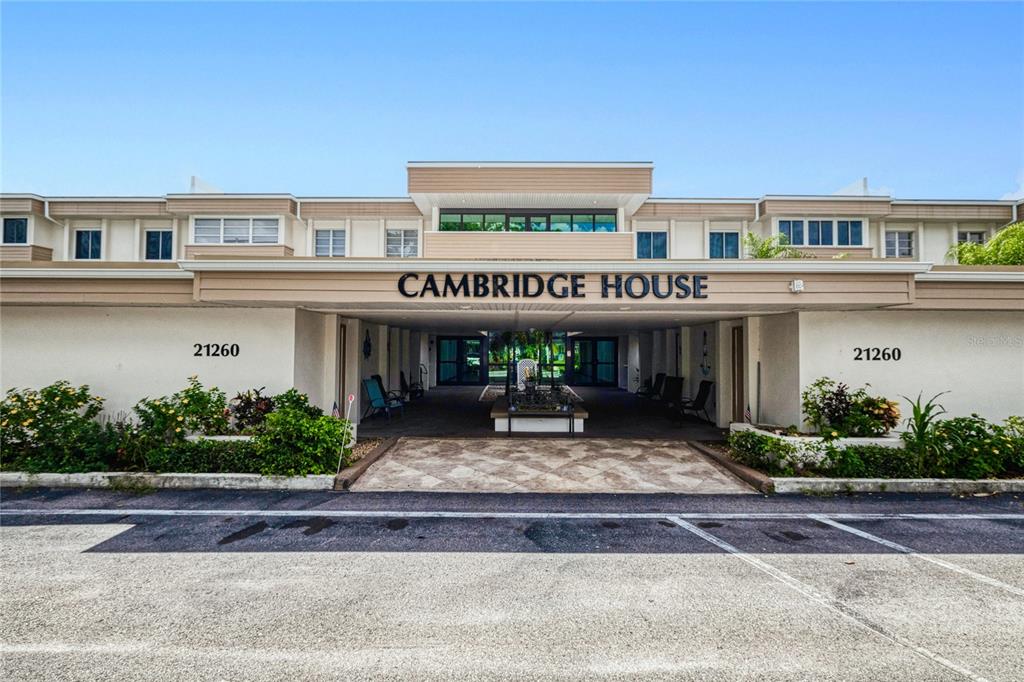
(874,353)
(215,350)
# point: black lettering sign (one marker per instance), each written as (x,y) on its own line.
(557,285)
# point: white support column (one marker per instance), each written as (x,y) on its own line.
(177,242)
(881,239)
(67,240)
(919,246)
(954,233)
(672,248)
(620,219)
(310,240)
(707,238)
(383,238)
(744,228)
(104,238)
(435,219)
(139,255)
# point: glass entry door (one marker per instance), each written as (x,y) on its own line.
(461,360)
(595,361)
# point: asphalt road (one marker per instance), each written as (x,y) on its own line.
(250,586)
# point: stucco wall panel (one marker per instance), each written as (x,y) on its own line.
(125,354)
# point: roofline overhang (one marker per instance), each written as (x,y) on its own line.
(529,164)
(598,267)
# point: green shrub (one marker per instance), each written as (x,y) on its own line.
(1005,248)
(767,453)
(294,400)
(834,410)
(249,409)
(866,461)
(1013,431)
(191,410)
(294,443)
(205,457)
(53,429)
(773,246)
(970,447)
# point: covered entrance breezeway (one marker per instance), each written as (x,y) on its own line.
(447,411)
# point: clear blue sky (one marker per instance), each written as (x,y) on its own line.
(333,99)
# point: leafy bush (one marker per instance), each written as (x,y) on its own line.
(1005,248)
(294,400)
(767,453)
(292,442)
(971,447)
(773,246)
(249,409)
(835,411)
(191,410)
(867,461)
(205,457)
(53,429)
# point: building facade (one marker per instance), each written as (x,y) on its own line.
(132,295)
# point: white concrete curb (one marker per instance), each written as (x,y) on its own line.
(897,485)
(122,479)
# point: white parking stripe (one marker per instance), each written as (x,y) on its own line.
(428,514)
(834,604)
(910,552)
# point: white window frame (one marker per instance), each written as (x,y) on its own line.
(146,231)
(651,226)
(403,230)
(332,230)
(222,218)
(865,228)
(739,244)
(89,228)
(983,233)
(913,243)
(28,230)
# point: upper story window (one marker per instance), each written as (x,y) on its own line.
(329,243)
(899,244)
(819,232)
(652,244)
(972,236)
(88,244)
(15,230)
(236,231)
(527,221)
(159,244)
(724,245)
(403,243)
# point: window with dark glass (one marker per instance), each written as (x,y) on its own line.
(159,244)
(851,232)
(88,244)
(451,221)
(819,232)
(652,245)
(15,230)
(561,223)
(494,222)
(582,223)
(969,236)
(724,245)
(533,221)
(793,230)
(604,223)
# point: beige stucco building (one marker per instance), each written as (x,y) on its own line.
(134,294)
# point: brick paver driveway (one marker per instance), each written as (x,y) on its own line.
(547,465)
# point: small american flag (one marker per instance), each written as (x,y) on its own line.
(336,412)
(746,414)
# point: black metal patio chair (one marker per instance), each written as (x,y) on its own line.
(654,390)
(699,402)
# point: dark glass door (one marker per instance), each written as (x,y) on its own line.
(461,360)
(595,361)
